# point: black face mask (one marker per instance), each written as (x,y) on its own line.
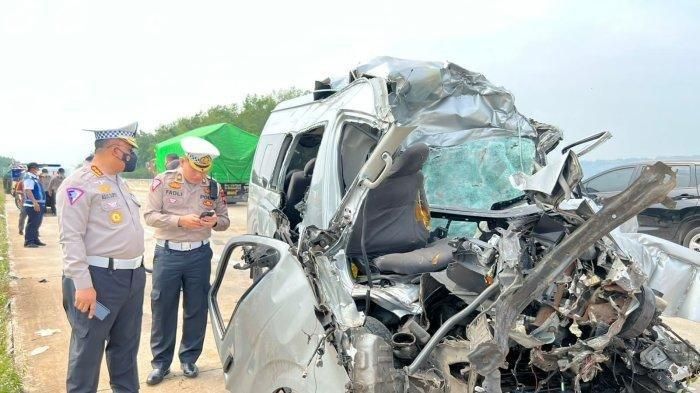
(129,161)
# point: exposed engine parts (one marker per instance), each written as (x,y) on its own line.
(548,303)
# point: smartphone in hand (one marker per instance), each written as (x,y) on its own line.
(207,214)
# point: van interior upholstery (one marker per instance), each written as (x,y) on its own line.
(298,175)
(396,238)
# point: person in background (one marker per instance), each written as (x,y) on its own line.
(19,193)
(172,161)
(45,179)
(34,206)
(53,186)
(184,206)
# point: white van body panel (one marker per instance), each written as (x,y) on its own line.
(364,100)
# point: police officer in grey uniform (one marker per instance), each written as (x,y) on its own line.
(184,205)
(103,275)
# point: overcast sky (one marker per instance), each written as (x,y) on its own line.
(628,67)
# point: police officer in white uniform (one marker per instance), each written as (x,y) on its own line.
(184,205)
(103,275)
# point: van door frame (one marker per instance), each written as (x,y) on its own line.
(262,199)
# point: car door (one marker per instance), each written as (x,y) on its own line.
(609,183)
(269,338)
(662,221)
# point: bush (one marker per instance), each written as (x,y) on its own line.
(10,380)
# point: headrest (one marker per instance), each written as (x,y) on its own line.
(309,167)
(410,160)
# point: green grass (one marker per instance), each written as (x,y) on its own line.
(10,380)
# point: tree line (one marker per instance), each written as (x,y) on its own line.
(249,115)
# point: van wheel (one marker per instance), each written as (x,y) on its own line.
(692,239)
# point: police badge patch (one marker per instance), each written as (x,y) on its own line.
(74,194)
(155,184)
(104,188)
(116,217)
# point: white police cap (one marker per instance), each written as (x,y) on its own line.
(126,133)
(200,153)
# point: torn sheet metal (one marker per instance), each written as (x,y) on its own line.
(400,299)
(547,179)
(549,137)
(643,192)
(448,103)
(459,113)
(335,295)
(275,332)
(671,269)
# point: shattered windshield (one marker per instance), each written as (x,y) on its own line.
(474,175)
(476,135)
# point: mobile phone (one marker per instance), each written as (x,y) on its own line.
(101,311)
(206,214)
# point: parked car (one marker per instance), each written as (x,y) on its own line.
(679,223)
(384,223)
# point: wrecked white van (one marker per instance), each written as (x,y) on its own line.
(407,235)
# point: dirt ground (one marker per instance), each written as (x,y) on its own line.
(37,305)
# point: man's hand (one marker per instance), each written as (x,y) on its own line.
(37,207)
(190,221)
(209,222)
(85,300)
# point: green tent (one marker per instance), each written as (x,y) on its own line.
(236,146)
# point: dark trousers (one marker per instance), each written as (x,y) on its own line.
(121,291)
(172,271)
(50,203)
(34,219)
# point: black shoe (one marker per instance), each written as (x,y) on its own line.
(40,243)
(156,376)
(21,232)
(31,245)
(190,370)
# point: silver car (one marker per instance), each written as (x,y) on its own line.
(408,235)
